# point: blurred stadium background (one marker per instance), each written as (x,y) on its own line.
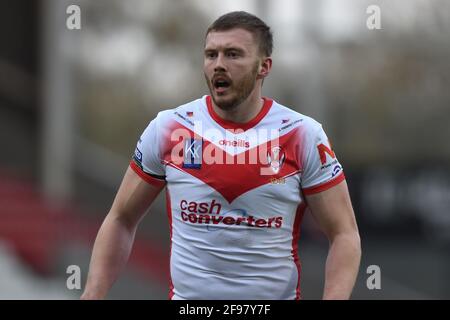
(74,102)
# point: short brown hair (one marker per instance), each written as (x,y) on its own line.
(249,22)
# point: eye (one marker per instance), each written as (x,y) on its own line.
(232,54)
(210,54)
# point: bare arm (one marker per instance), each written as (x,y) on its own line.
(115,238)
(332,210)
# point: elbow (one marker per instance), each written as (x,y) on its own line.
(349,239)
(357,243)
(354,240)
(122,220)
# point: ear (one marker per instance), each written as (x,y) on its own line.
(264,67)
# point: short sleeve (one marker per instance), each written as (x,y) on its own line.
(146,160)
(321,168)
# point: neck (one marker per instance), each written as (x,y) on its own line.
(245,111)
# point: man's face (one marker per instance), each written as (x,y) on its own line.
(231,66)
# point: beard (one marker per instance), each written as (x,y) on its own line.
(237,92)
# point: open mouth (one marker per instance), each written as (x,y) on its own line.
(221,84)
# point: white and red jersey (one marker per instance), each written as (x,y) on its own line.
(235,196)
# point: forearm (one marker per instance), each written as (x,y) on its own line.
(110,254)
(342,266)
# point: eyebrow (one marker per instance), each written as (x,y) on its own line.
(207,50)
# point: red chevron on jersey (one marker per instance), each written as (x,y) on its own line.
(233,175)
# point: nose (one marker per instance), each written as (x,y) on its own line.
(219,63)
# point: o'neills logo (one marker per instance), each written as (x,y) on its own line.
(235,143)
(211,214)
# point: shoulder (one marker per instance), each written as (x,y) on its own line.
(291,119)
(181,113)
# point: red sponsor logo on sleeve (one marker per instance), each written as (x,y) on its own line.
(323,151)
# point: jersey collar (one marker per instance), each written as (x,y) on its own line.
(230,125)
